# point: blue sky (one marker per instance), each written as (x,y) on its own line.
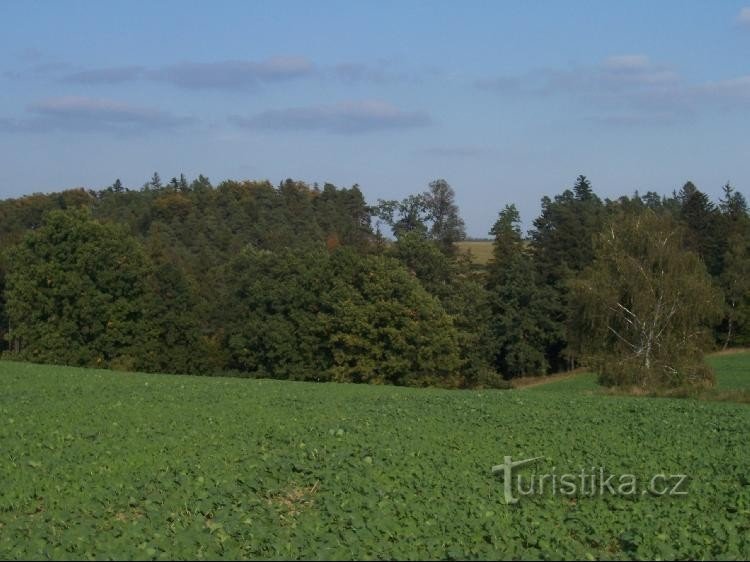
(508,101)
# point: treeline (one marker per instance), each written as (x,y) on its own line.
(301,282)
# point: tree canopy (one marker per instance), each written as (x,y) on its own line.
(645,303)
(297,281)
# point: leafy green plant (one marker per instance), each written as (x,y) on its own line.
(100,464)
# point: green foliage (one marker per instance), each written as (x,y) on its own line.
(75,290)
(524,312)
(644,305)
(173,339)
(271,313)
(384,327)
(3,308)
(734,278)
(409,216)
(100,465)
(563,235)
(343,216)
(447,226)
(450,278)
(432,215)
(735,282)
(702,221)
(511,316)
(562,245)
(311,315)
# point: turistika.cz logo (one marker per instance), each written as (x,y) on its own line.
(596,481)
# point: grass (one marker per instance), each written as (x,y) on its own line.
(732,381)
(733,370)
(578,382)
(98,464)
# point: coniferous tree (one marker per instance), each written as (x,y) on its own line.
(509,317)
(562,245)
(155,182)
(701,217)
(735,276)
(524,312)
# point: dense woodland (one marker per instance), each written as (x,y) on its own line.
(306,282)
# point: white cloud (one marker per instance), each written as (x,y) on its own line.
(628,89)
(82,114)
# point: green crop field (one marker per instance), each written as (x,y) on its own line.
(101,464)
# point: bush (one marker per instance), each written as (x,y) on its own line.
(660,375)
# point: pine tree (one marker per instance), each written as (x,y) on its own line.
(155,182)
(525,315)
(735,276)
(701,217)
(562,245)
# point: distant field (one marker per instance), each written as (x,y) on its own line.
(733,370)
(100,464)
(481,250)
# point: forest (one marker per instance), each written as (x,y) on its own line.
(303,282)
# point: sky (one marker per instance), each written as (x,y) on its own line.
(507,101)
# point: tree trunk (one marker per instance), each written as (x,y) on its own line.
(729,329)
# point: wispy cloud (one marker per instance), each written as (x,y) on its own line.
(81,114)
(380,72)
(743,18)
(246,75)
(614,76)
(733,92)
(111,75)
(232,75)
(221,75)
(627,89)
(344,118)
(612,80)
(36,63)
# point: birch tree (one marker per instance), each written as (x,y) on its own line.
(642,308)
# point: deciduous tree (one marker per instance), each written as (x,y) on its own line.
(644,305)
